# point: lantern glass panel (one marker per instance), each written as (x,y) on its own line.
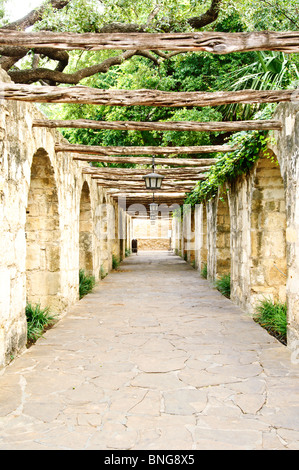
(153,181)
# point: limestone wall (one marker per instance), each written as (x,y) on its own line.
(153,244)
(251,229)
(51,223)
(286,148)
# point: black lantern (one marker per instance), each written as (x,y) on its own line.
(153,181)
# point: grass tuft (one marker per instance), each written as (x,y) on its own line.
(273,317)
(86,283)
(223,285)
(38,321)
(115,262)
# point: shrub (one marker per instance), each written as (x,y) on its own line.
(223,285)
(86,283)
(38,320)
(127,253)
(273,317)
(115,262)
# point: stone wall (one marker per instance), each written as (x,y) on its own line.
(251,229)
(286,149)
(53,221)
(152,236)
(153,244)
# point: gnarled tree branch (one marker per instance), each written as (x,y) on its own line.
(35,15)
(208,17)
(11,55)
(56,76)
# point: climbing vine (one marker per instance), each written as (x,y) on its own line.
(250,145)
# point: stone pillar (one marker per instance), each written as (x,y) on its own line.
(285,146)
(223,242)
(268,234)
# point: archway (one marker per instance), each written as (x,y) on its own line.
(85,231)
(268,233)
(42,235)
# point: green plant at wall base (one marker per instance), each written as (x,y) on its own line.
(273,317)
(204,271)
(223,285)
(38,320)
(115,262)
(86,283)
(127,253)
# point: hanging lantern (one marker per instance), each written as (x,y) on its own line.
(153,208)
(153,181)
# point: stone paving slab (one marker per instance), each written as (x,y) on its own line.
(153,359)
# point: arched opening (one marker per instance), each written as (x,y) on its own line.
(223,251)
(42,235)
(268,233)
(85,232)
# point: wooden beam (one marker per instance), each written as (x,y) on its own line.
(139,188)
(141,171)
(179,162)
(146,194)
(209,41)
(194,126)
(139,178)
(170,99)
(129,185)
(111,150)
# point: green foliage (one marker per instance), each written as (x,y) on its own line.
(250,145)
(204,271)
(2,13)
(223,285)
(127,253)
(274,15)
(38,320)
(86,283)
(115,262)
(269,71)
(90,15)
(78,16)
(273,317)
(230,166)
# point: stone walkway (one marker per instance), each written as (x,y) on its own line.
(154,359)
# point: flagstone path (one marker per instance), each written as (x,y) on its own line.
(153,359)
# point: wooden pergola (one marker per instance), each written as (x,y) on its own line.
(180,173)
